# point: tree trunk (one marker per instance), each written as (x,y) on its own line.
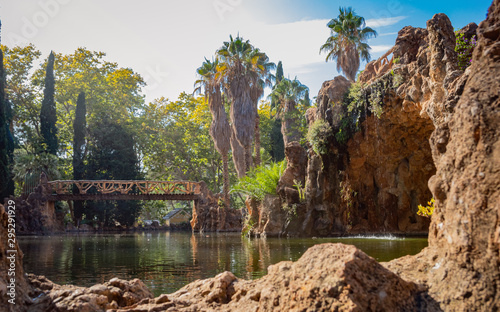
(238,156)
(248,158)
(257,141)
(225,163)
(289,127)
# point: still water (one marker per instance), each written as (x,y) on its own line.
(166,261)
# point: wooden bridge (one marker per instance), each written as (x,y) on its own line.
(121,190)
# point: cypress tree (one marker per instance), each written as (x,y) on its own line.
(5,174)
(277,151)
(79,125)
(48,116)
(279,72)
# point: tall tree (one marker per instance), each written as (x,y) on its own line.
(48,117)
(277,151)
(347,42)
(261,78)
(279,72)
(111,156)
(287,94)
(79,131)
(23,95)
(5,165)
(235,66)
(220,130)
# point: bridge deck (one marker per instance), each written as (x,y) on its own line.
(122,190)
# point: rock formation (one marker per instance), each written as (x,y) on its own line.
(206,213)
(461,266)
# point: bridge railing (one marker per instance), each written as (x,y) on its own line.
(83,187)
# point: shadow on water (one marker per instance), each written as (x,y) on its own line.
(166,261)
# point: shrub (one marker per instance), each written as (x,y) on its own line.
(318,136)
(261,180)
(428,210)
(464,48)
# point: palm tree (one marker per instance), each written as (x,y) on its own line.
(347,42)
(237,65)
(286,94)
(220,131)
(262,78)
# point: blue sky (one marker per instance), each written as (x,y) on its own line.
(165,41)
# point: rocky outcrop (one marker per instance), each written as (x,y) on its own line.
(114,294)
(35,215)
(461,266)
(329,100)
(375,181)
(13,285)
(207,213)
(328,277)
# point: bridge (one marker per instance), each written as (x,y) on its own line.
(120,190)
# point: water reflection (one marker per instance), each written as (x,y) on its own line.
(169,260)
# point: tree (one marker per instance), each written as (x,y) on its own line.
(23,95)
(279,72)
(277,151)
(287,94)
(175,143)
(6,186)
(220,131)
(48,117)
(236,66)
(111,156)
(261,78)
(79,131)
(347,42)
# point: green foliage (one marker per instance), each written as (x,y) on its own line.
(289,97)
(348,41)
(23,94)
(428,210)
(48,117)
(175,143)
(396,60)
(290,211)
(6,187)
(464,48)
(279,72)
(271,137)
(261,180)
(111,156)
(319,136)
(79,132)
(25,163)
(300,189)
(362,101)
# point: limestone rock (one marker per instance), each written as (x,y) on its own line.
(113,294)
(328,277)
(329,96)
(207,213)
(461,265)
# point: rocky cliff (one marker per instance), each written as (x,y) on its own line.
(370,158)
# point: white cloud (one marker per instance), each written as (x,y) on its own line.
(380,22)
(388,34)
(380,48)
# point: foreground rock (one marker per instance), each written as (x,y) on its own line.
(328,277)
(13,285)
(101,297)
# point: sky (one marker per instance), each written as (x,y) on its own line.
(166,41)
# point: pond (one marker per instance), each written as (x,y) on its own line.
(166,261)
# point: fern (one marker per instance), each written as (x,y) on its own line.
(260,181)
